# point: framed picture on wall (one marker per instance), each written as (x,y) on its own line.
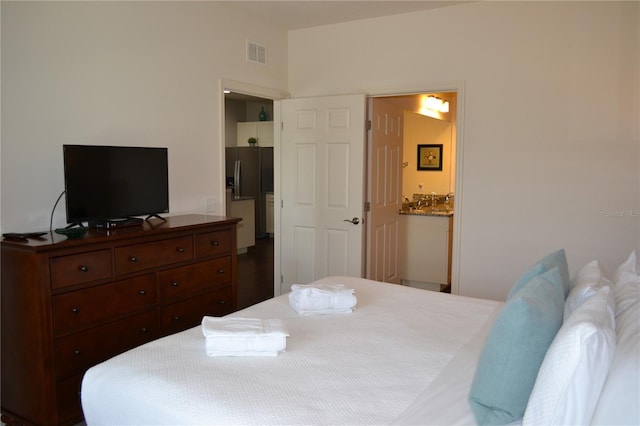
(430,157)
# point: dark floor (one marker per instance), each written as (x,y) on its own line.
(255,273)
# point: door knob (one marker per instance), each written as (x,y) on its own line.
(355,220)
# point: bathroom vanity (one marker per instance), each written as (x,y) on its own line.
(427,263)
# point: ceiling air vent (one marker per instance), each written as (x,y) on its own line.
(256,53)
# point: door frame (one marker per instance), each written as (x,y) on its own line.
(265,93)
(459,88)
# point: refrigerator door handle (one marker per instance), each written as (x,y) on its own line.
(236,178)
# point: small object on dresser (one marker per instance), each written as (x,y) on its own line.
(21,236)
(252,141)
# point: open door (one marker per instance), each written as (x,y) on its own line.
(384,191)
(322,203)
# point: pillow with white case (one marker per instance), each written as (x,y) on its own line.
(576,365)
(584,285)
(618,404)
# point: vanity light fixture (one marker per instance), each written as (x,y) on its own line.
(437,104)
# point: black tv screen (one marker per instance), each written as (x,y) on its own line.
(114,182)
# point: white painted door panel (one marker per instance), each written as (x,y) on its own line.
(322,154)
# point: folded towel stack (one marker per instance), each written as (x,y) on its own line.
(229,336)
(314,299)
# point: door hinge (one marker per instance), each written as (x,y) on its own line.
(367,206)
(281,279)
(281,204)
(282,125)
(368,125)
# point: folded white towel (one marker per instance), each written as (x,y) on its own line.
(315,299)
(234,336)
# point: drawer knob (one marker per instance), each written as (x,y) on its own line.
(142,292)
(180,249)
(177,318)
(75,310)
(175,283)
(133,259)
(222,302)
(83,268)
(144,329)
(77,351)
(215,243)
(221,271)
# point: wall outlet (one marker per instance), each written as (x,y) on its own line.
(209,205)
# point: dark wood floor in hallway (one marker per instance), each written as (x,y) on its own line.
(255,273)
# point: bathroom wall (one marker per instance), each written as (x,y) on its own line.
(418,130)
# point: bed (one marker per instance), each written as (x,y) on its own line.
(403,356)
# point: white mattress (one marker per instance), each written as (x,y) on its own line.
(366,367)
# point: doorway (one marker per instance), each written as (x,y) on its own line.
(427,119)
(253,108)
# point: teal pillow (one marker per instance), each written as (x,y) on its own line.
(514,350)
(556,259)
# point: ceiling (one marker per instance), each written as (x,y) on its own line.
(293,15)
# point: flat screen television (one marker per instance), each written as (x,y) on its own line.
(111,183)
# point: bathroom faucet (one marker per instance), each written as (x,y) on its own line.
(433,199)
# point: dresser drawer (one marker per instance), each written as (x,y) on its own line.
(185,281)
(80,268)
(77,352)
(94,305)
(212,243)
(138,257)
(188,313)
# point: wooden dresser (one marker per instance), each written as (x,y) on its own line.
(70,304)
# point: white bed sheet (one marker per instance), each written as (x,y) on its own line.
(366,367)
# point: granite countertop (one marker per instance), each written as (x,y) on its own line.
(427,211)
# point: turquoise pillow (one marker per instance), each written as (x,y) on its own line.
(514,350)
(556,259)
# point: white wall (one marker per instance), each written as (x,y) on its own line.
(550,125)
(120,73)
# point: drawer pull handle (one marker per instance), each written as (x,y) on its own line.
(215,243)
(133,259)
(142,292)
(221,271)
(75,310)
(177,318)
(77,352)
(83,268)
(175,283)
(180,249)
(222,302)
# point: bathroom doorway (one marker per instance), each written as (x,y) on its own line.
(428,119)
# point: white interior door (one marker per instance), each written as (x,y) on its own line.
(384,224)
(322,165)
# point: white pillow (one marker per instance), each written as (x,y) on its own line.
(575,367)
(618,403)
(626,279)
(584,285)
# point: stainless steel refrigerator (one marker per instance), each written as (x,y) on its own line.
(249,172)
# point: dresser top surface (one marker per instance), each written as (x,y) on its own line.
(151,227)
